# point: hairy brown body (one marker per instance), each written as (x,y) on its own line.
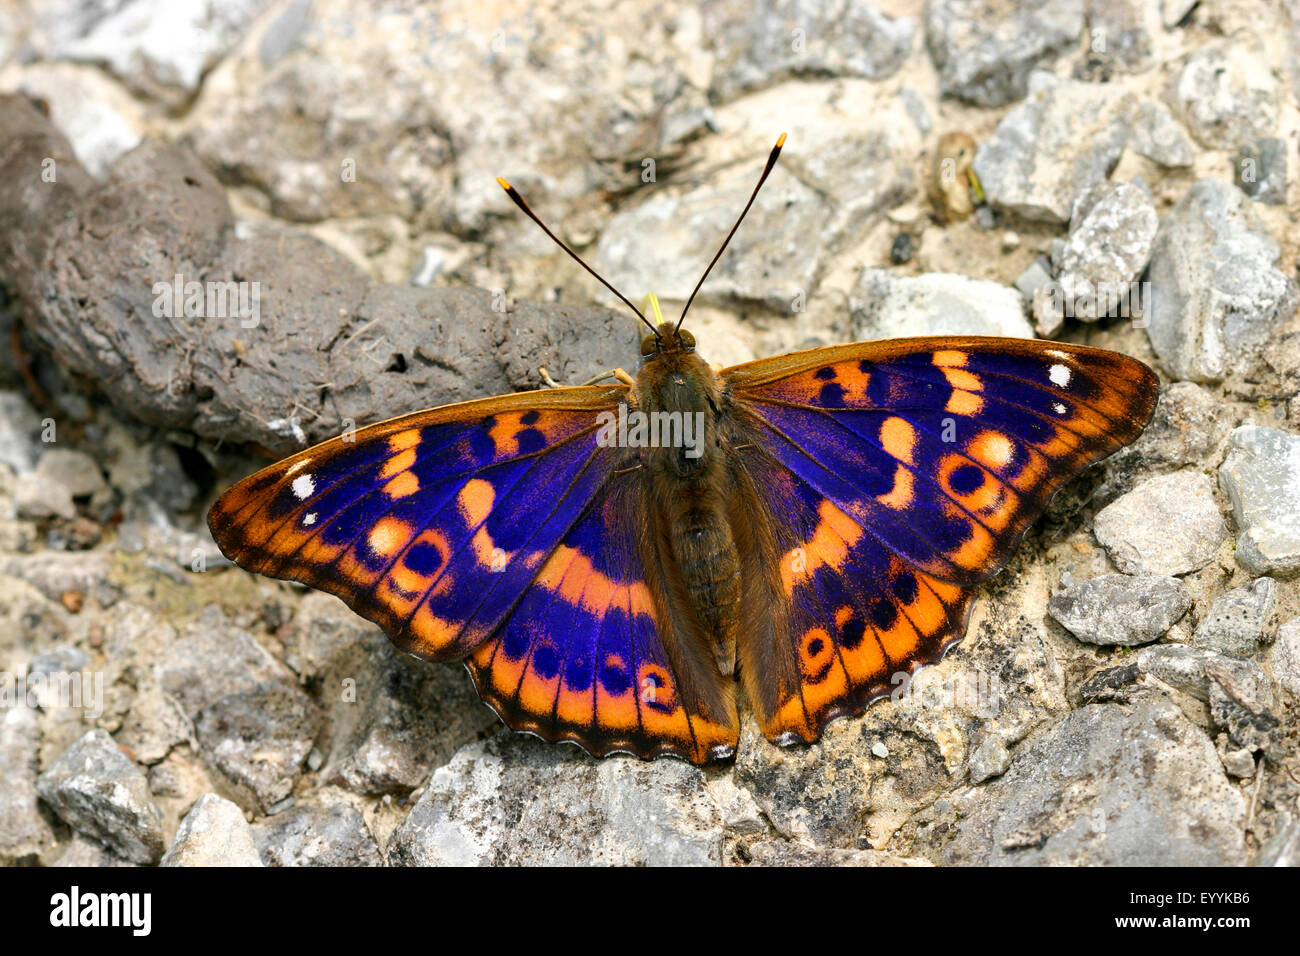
(692,499)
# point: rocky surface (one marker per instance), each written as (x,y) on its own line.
(1170,524)
(99,791)
(984,52)
(1052,148)
(1217,295)
(1261,478)
(1127,689)
(1108,785)
(885,305)
(1112,227)
(213,833)
(1120,609)
(512,800)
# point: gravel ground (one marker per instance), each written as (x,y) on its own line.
(1127,692)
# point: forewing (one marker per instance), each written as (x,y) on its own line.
(498,530)
(420,523)
(907,472)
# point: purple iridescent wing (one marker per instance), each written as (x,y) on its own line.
(906,472)
(495,531)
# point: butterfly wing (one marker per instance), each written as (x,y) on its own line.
(496,530)
(907,472)
(596,655)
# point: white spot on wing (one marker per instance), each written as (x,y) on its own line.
(309,518)
(1060,375)
(304,487)
(1058,408)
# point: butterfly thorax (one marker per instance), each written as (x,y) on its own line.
(689,494)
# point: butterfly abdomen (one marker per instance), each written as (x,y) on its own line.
(690,488)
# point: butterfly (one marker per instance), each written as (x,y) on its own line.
(615,562)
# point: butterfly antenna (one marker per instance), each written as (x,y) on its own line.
(771,162)
(519,201)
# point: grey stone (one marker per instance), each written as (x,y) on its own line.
(990,759)
(62,479)
(213,833)
(659,245)
(154,472)
(1284,657)
(887,305)
(253,724)
(1284,847)
(82,852)
(75,471)
(24,834)
(1227,94)
(159,48)
(1195,672)
(916,109)
(97,790)
(283,32)
(393,719)
(815,200)
(1239,762)
(322,833)
(1036,275)
(1167,525)
(1121,33)
(259,739)
(54,573)
(212,660)
(1155,134)
(1051,149)
(1261,480)
(985,51)
(154,725)
(793,853)
(515,801)
(37,500)
(1259,169)
(1250,725)
(20,429)
(89,109)
(1241,620)
(443,115)
(1116,609)
(27,618)
(1111,232)
(758,43)
(1036,285)
(1108,786)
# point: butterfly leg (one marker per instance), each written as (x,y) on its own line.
(617,373)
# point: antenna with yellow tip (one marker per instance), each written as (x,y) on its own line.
(771,162)
(519,201)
